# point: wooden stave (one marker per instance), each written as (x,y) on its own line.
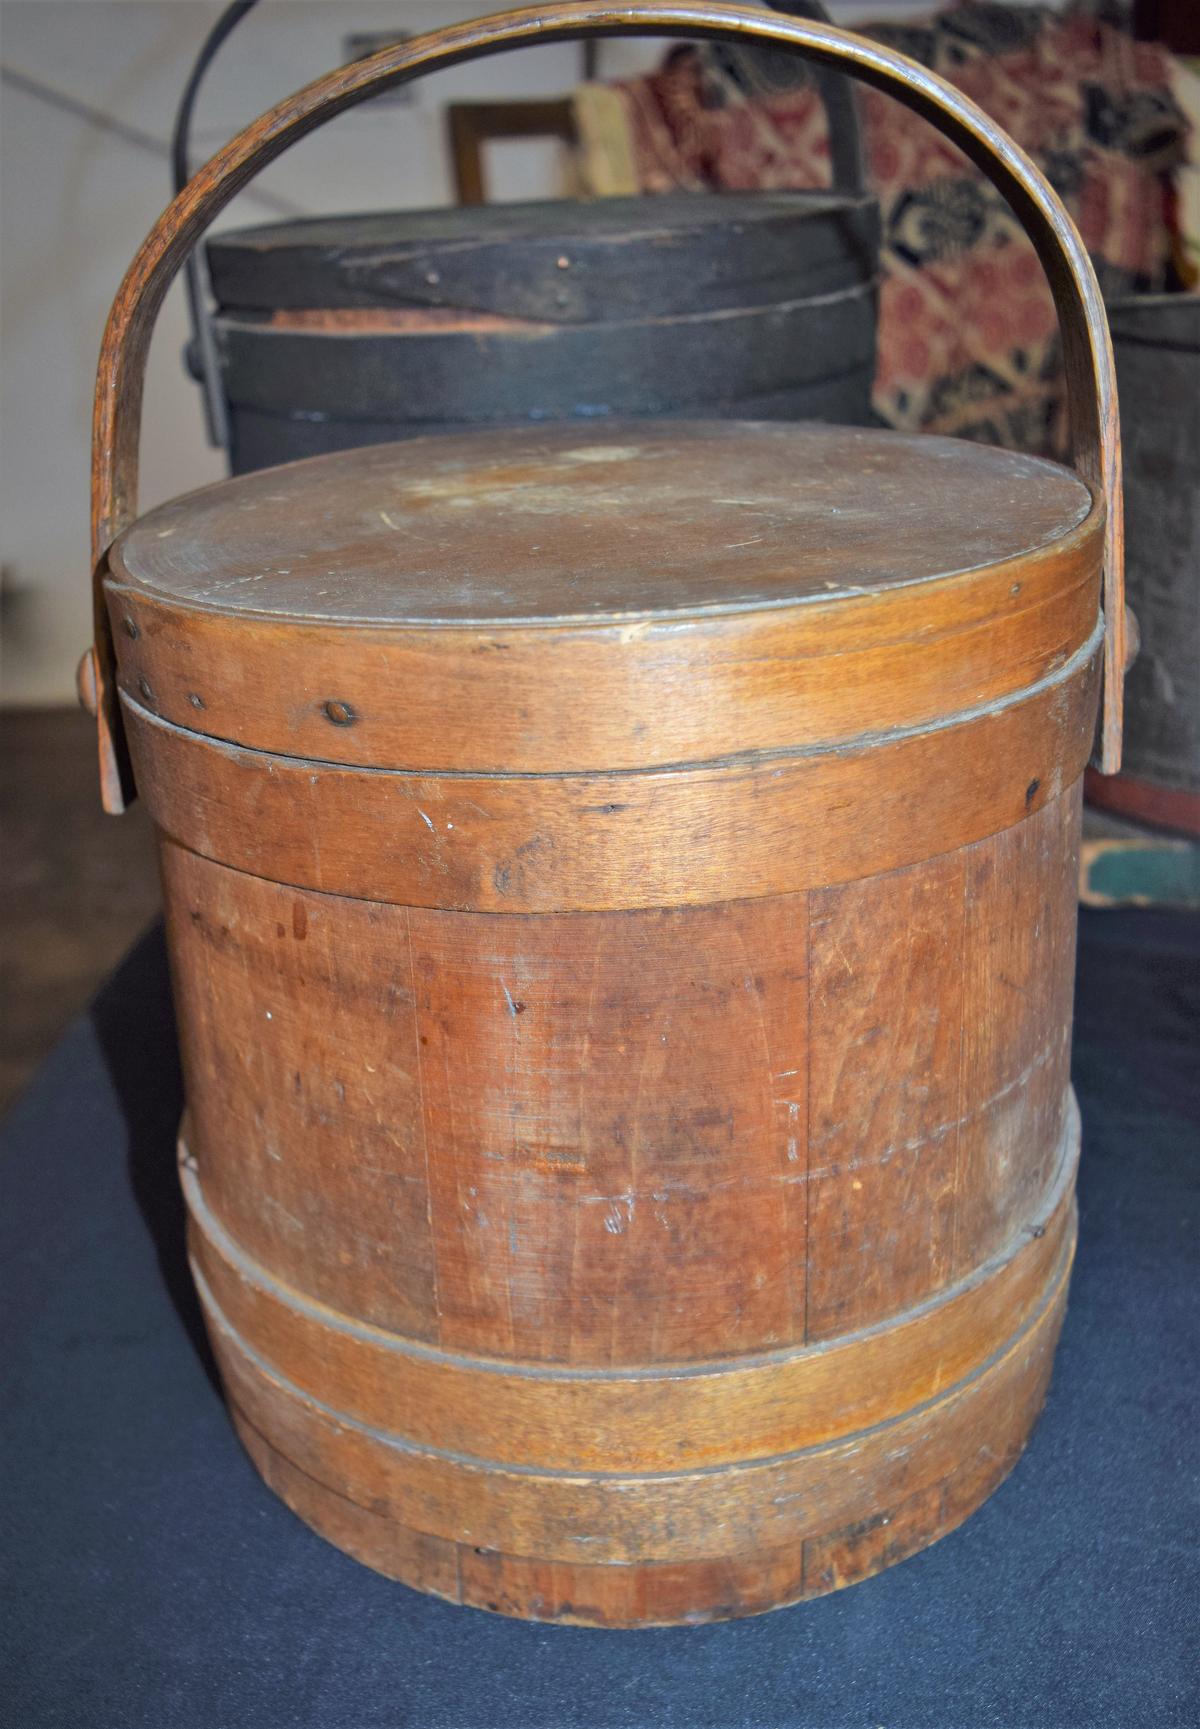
(699,1586)
(652,1595)
(295,1010)
(675,1517)
(566,1419)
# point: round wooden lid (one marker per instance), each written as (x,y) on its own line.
(558,525)
(645,593)
(564,260)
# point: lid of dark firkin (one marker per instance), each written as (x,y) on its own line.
(560,261)
(556,600)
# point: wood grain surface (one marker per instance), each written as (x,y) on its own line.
(630,1137)
(554,525)
(528,603)
(741,1206)
(759,825)
(722,1514)
(656,1593)
(623,947)
(641,1417)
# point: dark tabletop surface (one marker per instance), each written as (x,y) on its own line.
(149,1579)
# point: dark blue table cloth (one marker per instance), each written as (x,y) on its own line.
(150,1579)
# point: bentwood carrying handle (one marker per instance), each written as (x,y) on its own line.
(1091,385)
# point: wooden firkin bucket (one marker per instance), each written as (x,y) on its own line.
(1156,341)
(621,893)
(336,331)
(343,331)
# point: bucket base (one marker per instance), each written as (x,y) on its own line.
(655,1595)
(851,1506)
